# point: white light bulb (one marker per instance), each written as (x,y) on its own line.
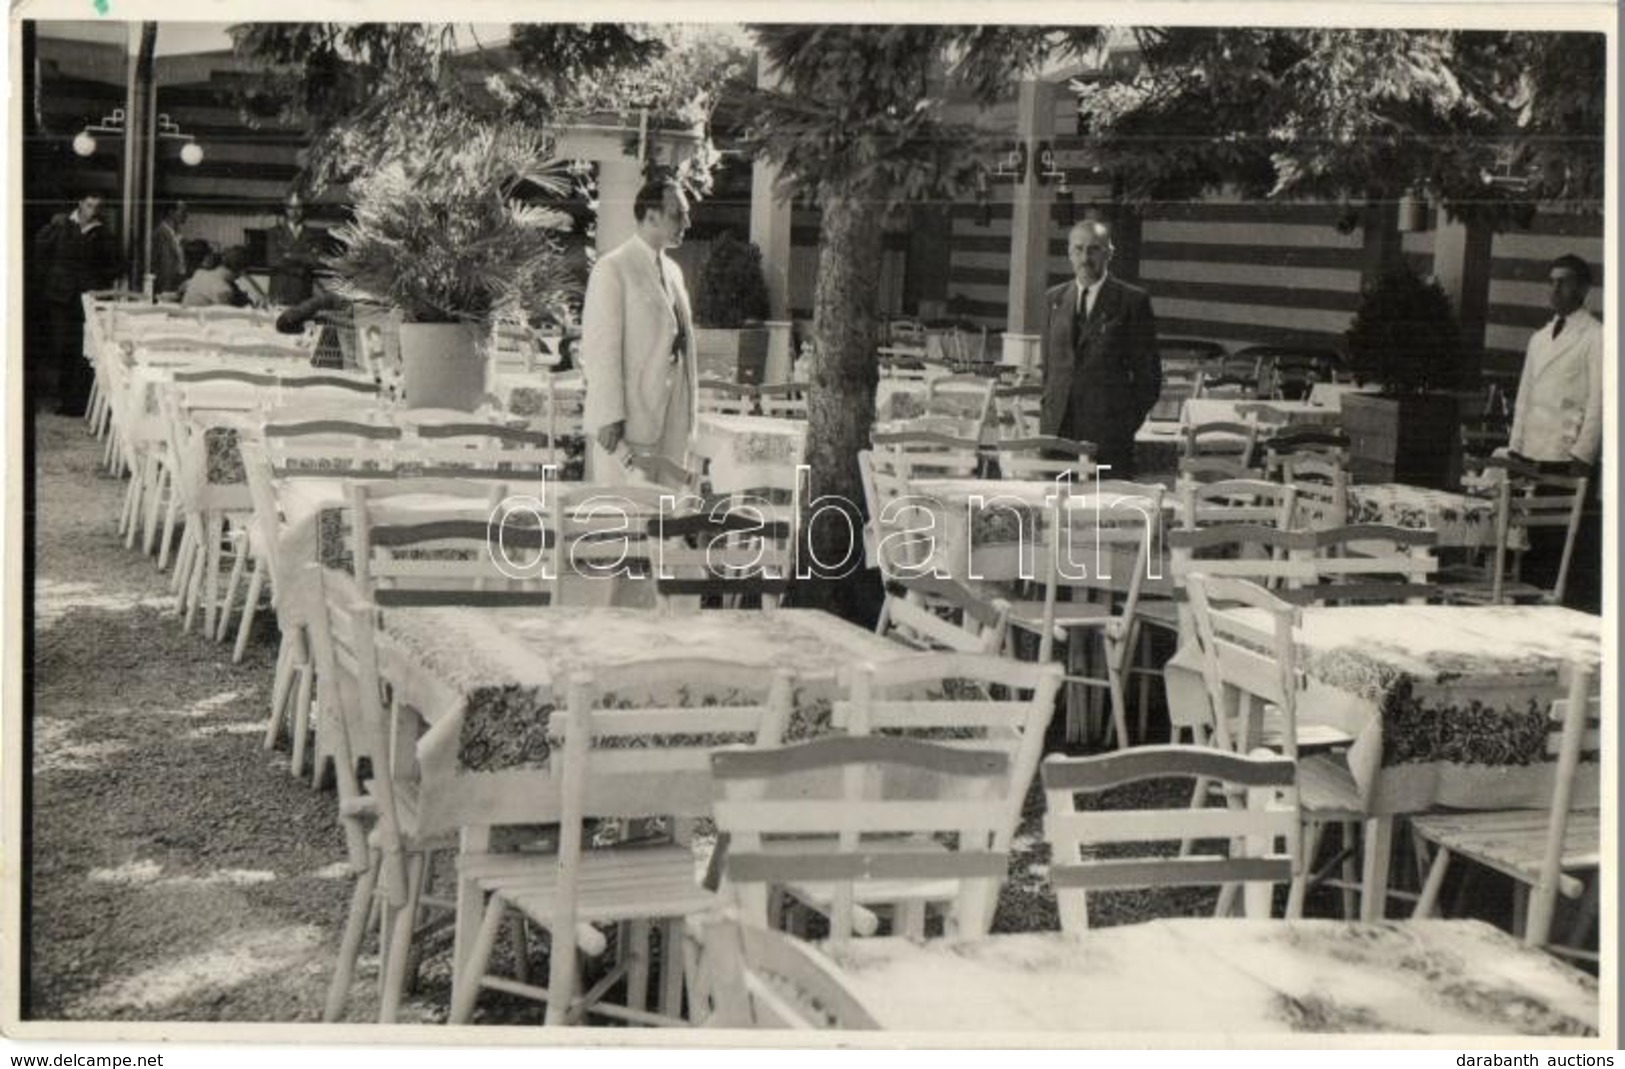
(84,144)
(192,154)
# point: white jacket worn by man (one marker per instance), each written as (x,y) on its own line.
(1558,415)
(637,353)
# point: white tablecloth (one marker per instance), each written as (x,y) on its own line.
(1226,978)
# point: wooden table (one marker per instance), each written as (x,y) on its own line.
(1447,704)
(483,681)
(1229,978)
(738,447)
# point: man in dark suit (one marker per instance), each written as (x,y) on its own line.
(1101,369)
(294,251)
(76,253)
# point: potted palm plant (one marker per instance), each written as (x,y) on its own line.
(450,239)
(1405,338)
(730,304)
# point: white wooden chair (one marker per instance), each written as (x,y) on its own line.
(1365,564)
(1328,445)
(724,555)
(726,398)
(844,813)
(1017,410)
(1260,814)
(603,551)
(1254,684)
(1236,501)
(630,750)
(753,977)
(966,399)
(925,454)
(1085,551)
(965,699)
(1322,486)
(294,680)
(1047,458)
(1540,849)
(783,400)
(1223,438)
(1527,499)
(394,875)
(516,453)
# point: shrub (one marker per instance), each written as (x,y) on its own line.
(732,289)
(1405,336)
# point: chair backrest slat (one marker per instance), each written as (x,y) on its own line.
(1262,814)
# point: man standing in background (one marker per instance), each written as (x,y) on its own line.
(637,343)
(1557,422)
(294,251)
(1101,369)
(169,268)
(76,253)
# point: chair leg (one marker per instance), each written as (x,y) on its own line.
(280,683)
(239,561)
(1427,902)
(1114,681)
(1350,874)
(256,584)
(194,579)
(518,931)
(466,992)
(1379,841)
(132,504)
(171,510)
(637,974)
(562,974)
(301,717)
(671,968)
(355,928)
(155,500)
(216,533)
(400,942)
(183,561)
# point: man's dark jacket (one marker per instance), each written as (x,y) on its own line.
(1108,373)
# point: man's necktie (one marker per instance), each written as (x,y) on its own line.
(1557,327)
(677,341)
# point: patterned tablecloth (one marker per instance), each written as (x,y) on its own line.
(1462,521)
(1448,704)
(1226,978)
(737,444)
(485,681)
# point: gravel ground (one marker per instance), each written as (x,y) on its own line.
(178,871)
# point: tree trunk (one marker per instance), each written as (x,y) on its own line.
(841,403)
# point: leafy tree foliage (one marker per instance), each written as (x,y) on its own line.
(859,124)
(1491,122)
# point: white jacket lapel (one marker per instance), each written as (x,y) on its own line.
(1552,350)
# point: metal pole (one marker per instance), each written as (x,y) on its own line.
(137,145)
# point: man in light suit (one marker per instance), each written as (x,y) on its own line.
(1557,420)
(1101,369)
(637,344)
